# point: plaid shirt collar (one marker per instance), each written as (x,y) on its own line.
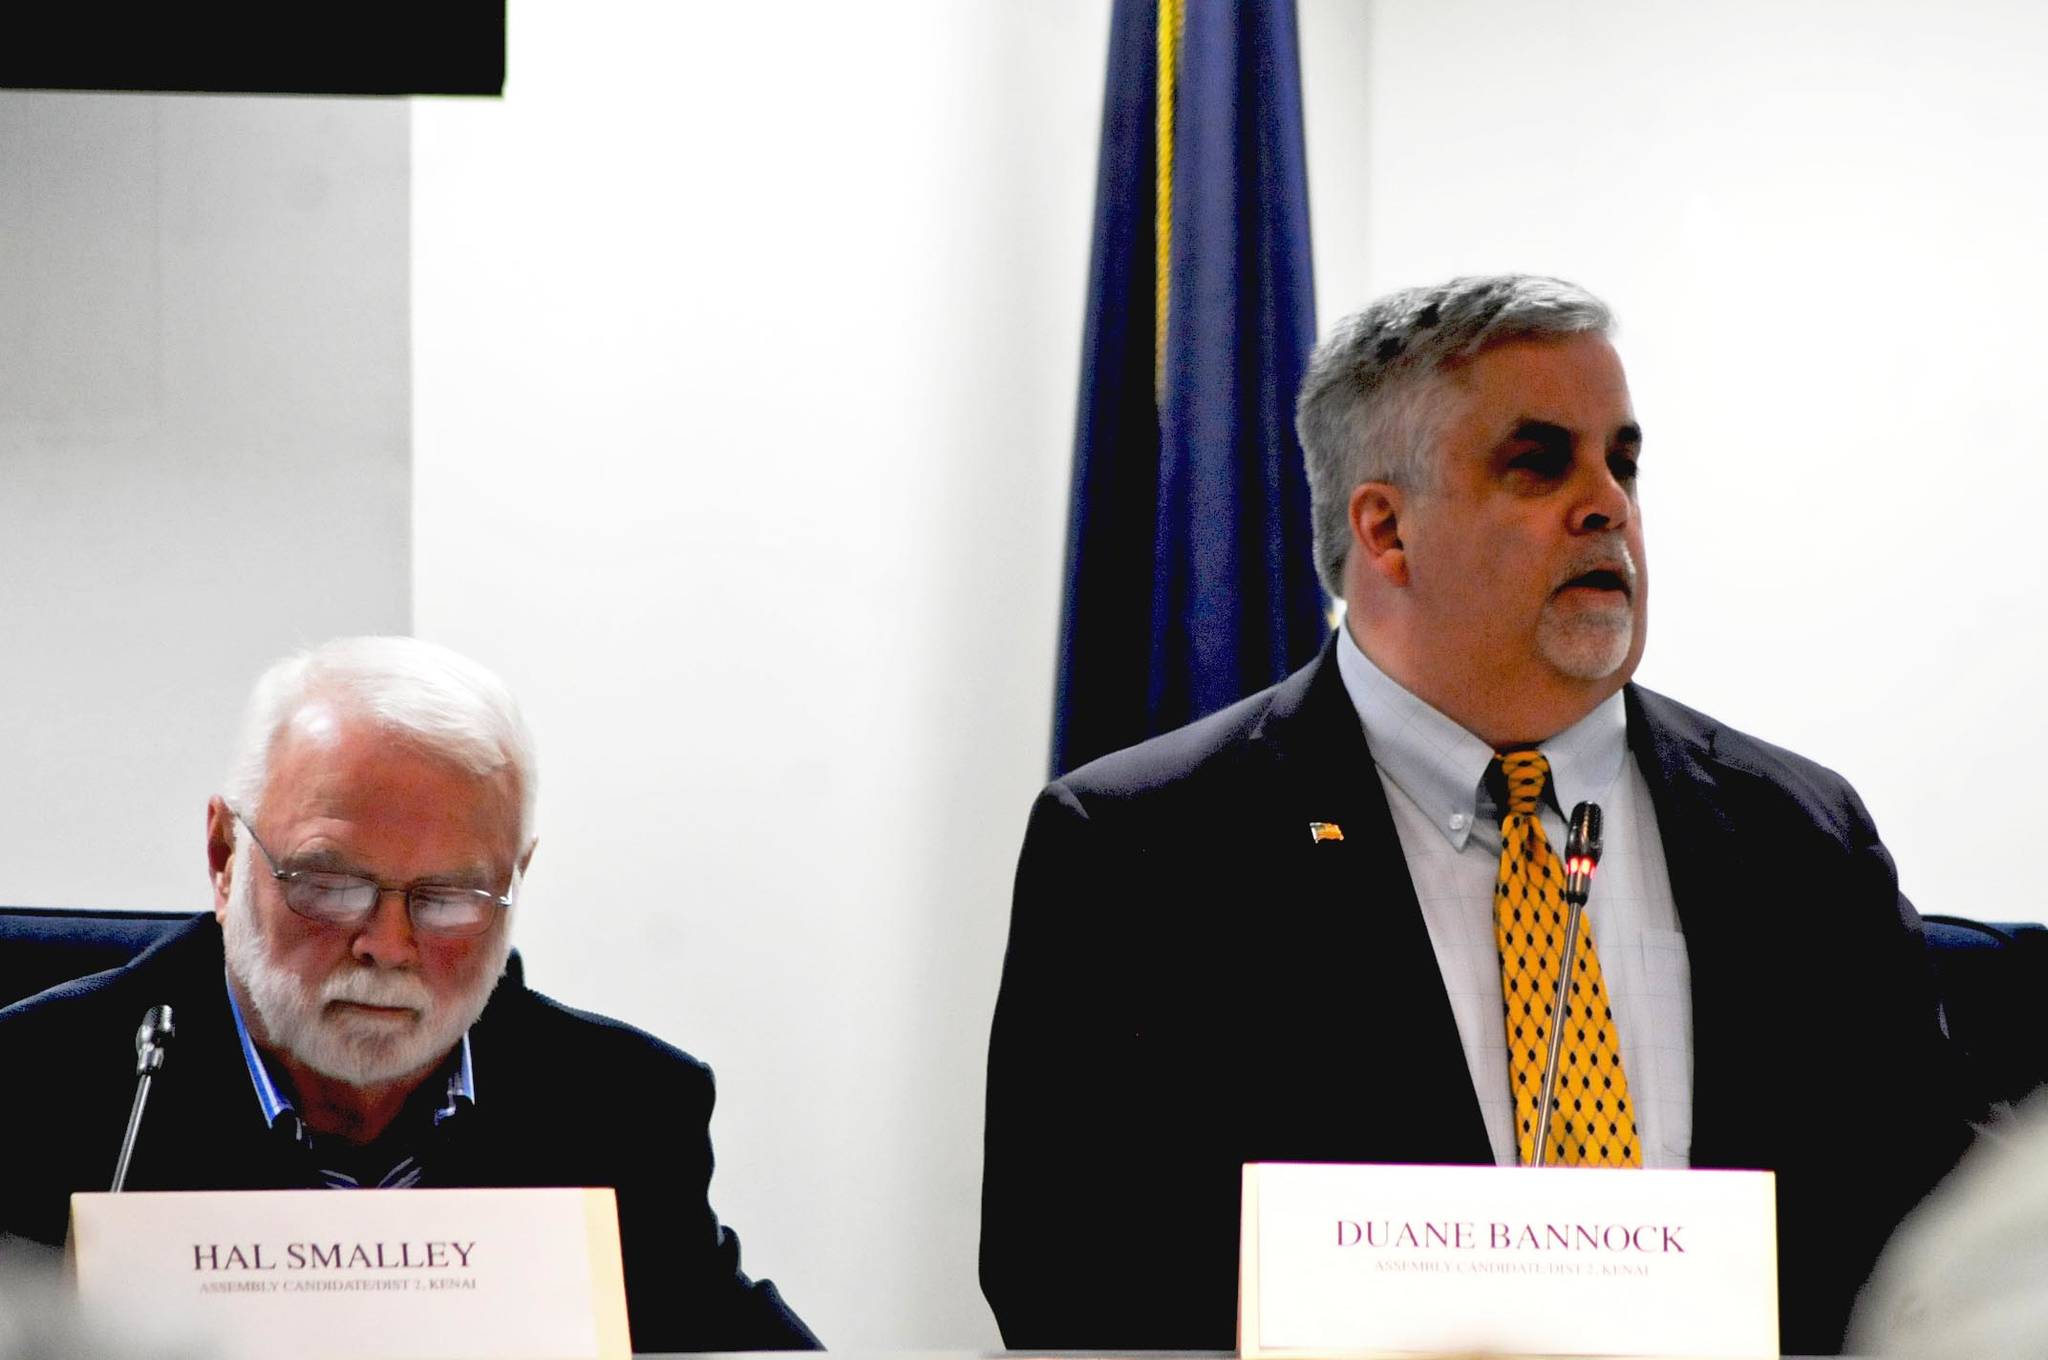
(278,1107)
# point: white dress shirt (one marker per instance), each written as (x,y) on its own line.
(1434,774)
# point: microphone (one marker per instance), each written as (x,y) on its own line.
(1581,852)
(152,1039)
(1581,857)
(152,1044)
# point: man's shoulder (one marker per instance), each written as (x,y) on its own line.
(584,1048)
(1210,754)
(1676,736)
(1184,753)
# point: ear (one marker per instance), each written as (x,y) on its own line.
(527,858)
(220,854)
(1376,548)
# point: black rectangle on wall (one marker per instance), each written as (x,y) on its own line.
(375,47)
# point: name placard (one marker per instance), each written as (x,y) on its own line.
(360,1274)
(1357,1260)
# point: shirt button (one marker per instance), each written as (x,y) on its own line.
(1458,820)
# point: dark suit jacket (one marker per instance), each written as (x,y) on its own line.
(564,1098)
(1193,983)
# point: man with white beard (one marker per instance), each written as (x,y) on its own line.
(344,1016)
(1324,925)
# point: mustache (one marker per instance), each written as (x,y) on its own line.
(377,987)
(1611,557)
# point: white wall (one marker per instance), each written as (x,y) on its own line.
(203,453)
(1819,224)
(746,356)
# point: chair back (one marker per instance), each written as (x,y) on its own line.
(43,946)
(1992,977)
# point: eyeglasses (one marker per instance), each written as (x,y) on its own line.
(348,899)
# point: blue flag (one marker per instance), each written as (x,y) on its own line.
(1190,581)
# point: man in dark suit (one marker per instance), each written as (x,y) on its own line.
(341,1019)
(1273,935)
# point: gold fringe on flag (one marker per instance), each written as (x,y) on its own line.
(1171,18)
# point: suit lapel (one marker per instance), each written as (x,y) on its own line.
(1368,969)
(1674,749)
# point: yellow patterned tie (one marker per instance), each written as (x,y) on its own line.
(1592,1121)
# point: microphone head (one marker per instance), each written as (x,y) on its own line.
(152,1038)
(1583,842)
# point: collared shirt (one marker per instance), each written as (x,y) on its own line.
(282,1116)
(1434,773)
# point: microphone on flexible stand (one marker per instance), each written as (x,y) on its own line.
(1581,856)
(152,1041)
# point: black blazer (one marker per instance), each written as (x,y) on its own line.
(564,1098)
(1193,983)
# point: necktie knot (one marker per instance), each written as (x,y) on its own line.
(1591,1119)
(1525,773)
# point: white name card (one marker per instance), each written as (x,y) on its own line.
(1355,1260)
(360,1274)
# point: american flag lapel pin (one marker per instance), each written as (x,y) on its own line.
(1325,831)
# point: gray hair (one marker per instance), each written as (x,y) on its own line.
(1957,1281)
(41,1319)
(1366,412)
(420,691)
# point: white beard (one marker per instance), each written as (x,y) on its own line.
(1589,644)
(349,1046)
(1584,641)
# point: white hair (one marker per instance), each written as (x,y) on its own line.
(41,1319)
(435,698)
